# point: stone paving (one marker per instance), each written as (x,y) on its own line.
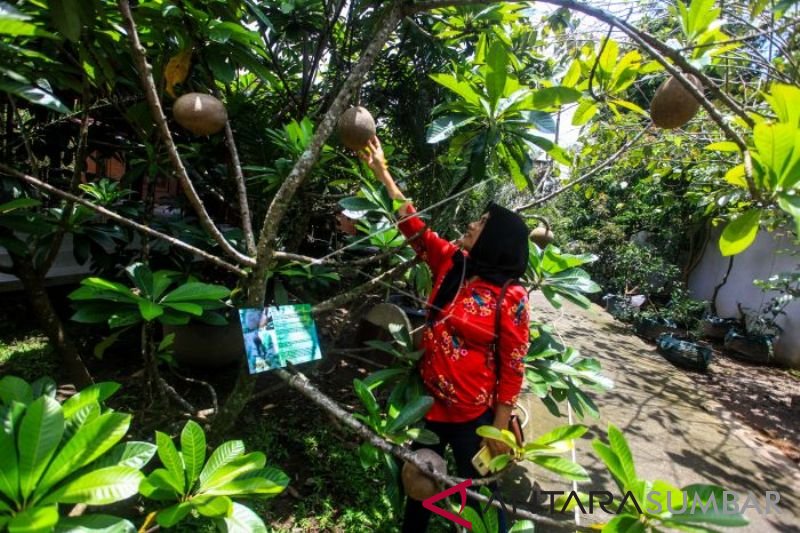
(676,431)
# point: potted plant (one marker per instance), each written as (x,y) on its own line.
(684,353)
(715,327)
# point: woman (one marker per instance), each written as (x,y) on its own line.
(470,389)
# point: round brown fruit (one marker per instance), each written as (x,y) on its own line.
(202,114)
(673,105)
(418,485)
(541,236)
(356,127)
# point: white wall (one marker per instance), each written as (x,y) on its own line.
(770,254)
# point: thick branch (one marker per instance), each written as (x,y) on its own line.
(122,220)
(302,384)
(302,168)
(588,175)
(149,87)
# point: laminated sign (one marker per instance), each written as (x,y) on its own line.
(276,336)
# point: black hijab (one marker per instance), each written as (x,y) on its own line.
(500,254)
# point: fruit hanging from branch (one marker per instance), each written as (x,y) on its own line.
(202,114)
(541,236)
(417,485)
(673,105)
(356,127)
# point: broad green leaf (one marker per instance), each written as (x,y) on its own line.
(561,466)
(740,233)
(503,435)
(172,515)
(367,399)
(34,520)
(142,277)
(9,468)
(549,97)
(496,63)
(573,74)
(620,448)
(150,310)
(386,375)
(19,203)
(668,497)
(584,112)
(624,523)
(473,517)
(224,454)
(171,460)
(630,106)
(66,17)
(779,151)
(97,393)
(98,487)
(161,485)
(193,292)
(608,59)
(562,433)
(215,507)
(554,262)
(522,526)
(241,520)
(39,434)
(791,204)
(783,101)
(249,485)
(193,448)
(735,176)
(460,87)
(94,523)
(611,461)
(541,120)
(134,454)
(233,469)
(87,444)
(422,436)
(14,389)
(443,127)
(410,414)
(499,462)
(723,146)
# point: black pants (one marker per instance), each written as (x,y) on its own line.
(465,443)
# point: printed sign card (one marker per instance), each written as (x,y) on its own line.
(276,336)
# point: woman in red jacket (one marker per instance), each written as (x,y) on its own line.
(470,389)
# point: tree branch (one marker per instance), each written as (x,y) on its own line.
(149,87)
(241,189)
(588,175)
(122,220)
(302,168)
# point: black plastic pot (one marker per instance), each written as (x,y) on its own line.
(751,348)
(716,328)
(684,353)
(651,328)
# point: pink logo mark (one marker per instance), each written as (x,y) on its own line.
(461,488)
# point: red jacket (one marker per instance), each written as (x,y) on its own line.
(458,366)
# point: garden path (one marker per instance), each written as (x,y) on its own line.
(676,430)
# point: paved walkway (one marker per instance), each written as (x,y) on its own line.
(676,432)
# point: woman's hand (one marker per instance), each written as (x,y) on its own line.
(373,156)
(496,447)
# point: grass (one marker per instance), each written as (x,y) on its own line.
(29,357)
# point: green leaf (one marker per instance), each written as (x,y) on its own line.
(714,514)
(461,88)
(40,432)
(19,203)
(66,17)
(562,433)
(254,482)
(584,112)
(422,436)
(503,435)
(97,393)
(172,515)
(161,485)
(194,292)
(9,467)
(723,146)
(224,454)
(94,523)
(192,309)
(193,448)
(783,101)
(134,454)
(98,487)
(237,467)
(620,448)
(736,176)
(608,59)
(241,520)
(386,375)
(443,127)
(150,310)
(14,389)
(779,150)
(410,414)
(34,520)
(215,507)
(473,517)
(171,460)
(367,399)
(549,97)
(499,462)
(740,233)
(87,444)
(624,523)
(496,64)
(791,204)
(561,466)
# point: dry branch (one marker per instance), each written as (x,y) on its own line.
(241,189)
(122,220)
(149,86)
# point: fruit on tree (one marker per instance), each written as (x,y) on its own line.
(541,236)
(673,105)
(416,483)
(202,114)
(356,127)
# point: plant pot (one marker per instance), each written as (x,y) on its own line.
(198,344)
(751,348)
(651,328)
(615,304)
(684,353)
(716,328)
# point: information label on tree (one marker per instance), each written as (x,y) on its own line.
(276,336)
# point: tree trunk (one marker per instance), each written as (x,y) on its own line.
(50,322)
